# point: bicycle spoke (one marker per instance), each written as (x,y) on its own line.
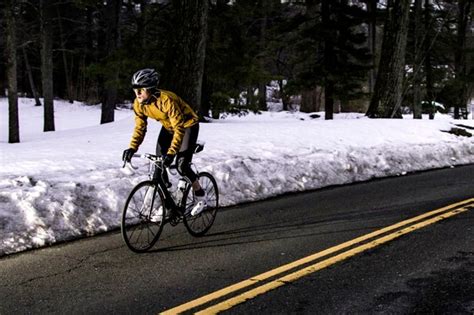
(139,235)
(198,225)
(138,231)
(135,202)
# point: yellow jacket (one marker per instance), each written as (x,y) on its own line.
(171,111)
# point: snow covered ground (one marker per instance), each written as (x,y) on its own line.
(60,185)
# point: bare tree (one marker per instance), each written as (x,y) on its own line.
(11,55)
(30,77)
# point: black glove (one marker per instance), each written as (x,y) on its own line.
(128,154)
(168,160)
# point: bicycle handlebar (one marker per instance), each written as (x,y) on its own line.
(155,159)
(151,157)
(158,159)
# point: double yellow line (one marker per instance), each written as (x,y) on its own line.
(260,286)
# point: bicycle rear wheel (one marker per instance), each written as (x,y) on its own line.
(143,217)
(199,225)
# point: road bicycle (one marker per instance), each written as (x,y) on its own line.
(156,202)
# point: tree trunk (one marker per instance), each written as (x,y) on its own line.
(328,62)
(94,45)
(184,66)
(310,100)
(67,75)
(205,97)
(262,87)
(262,96)
(372,40)
(30,78)
(428,67)
(285,99)
(329,100)
(3,73)
(80,85)
(460,57)
(11,42)
(417,64)
(387,97)
(249,99)
(112,11)
(47,63)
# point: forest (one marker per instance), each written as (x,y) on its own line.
(384,58)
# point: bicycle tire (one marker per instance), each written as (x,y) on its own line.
(140,228)
(199,225)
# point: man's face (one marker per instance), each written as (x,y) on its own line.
(142,94)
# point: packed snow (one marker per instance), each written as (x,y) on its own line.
(57,186)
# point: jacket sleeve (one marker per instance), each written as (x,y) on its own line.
(176,117)
(140,127)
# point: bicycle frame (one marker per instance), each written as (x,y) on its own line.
(163,185)
(156,167)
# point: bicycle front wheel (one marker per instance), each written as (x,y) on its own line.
(198,225)
(143,217)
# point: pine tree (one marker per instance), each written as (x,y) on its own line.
(332,51)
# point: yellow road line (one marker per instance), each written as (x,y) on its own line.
(225,305)
(252,281)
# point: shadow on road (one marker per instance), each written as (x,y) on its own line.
(281,230)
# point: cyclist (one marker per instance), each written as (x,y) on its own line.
(179,132)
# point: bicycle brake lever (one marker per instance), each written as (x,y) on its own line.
(129,165)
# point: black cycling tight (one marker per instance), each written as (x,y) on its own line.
(185,154)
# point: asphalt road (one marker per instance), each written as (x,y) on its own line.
(430,269)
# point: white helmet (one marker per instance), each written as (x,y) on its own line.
(146,78)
